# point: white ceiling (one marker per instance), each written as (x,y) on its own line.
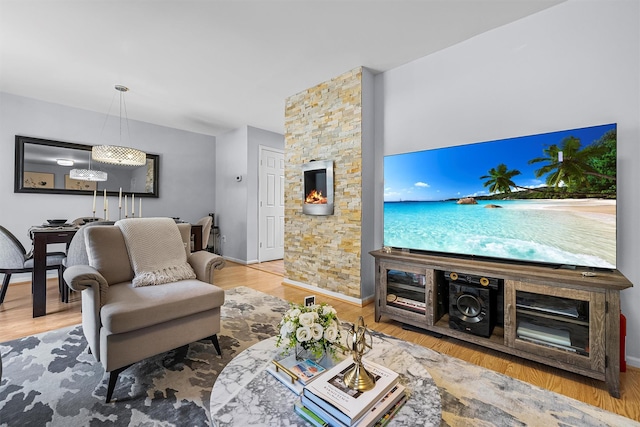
(211,66)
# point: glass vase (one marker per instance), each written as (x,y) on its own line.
(303,354)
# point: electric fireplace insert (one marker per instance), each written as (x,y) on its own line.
(318,188)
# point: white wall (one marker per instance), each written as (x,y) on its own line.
(187,179)
(570,66)
(237,215)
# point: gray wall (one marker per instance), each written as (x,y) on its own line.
(256,138)
(231,196)
(371,174)
(187,178)
(237,216)
(570,66)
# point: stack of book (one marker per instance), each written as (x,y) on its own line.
(327,401)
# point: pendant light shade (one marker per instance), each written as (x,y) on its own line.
(119,154)
(88,175)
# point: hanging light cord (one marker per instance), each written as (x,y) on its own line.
(120,116)
(123,102)
(104,124)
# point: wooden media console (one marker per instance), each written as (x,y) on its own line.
(566,318)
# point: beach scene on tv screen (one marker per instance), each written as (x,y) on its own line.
(547,198)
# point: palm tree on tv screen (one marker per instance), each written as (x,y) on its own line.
(500,179)
(572,166)
(606,164)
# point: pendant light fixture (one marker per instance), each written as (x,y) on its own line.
(119,154)
(88,174)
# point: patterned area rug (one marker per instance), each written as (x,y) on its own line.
(50,379)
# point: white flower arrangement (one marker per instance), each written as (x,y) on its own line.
(314,328)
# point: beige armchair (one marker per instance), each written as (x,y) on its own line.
(144,293)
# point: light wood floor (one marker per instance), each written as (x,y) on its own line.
(16,322)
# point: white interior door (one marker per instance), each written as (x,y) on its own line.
(271,223)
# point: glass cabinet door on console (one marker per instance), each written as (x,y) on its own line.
(406,293)
(560,323)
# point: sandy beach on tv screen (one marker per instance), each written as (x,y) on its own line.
(595,206)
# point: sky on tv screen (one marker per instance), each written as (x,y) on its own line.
(454,172)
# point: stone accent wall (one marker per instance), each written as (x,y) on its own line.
(325,123)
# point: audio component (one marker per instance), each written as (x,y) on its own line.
(472,303)
(486,282)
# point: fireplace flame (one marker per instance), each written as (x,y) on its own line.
(315,198)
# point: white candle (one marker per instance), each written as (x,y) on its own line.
(140,210)
(133,204)
(94,200)
(125,205)
(120,198)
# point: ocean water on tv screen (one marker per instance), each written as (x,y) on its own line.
(549,231)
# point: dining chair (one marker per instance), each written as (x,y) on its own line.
(206,223)
(15,259)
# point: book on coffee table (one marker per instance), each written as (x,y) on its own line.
(347,405)
(382,410)
(294,373)
(308,415)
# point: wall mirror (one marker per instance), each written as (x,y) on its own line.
(37,170)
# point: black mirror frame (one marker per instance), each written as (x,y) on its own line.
(19,169)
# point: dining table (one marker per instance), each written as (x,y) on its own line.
(44,235)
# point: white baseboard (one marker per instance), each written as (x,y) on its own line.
(26,277)
(239,261)
(633,361)
(19,277)
(314,289)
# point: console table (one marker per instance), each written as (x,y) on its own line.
(424,290)
(246,394)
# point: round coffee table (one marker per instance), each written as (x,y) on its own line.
(245,394)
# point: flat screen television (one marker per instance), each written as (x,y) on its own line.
(547,198)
